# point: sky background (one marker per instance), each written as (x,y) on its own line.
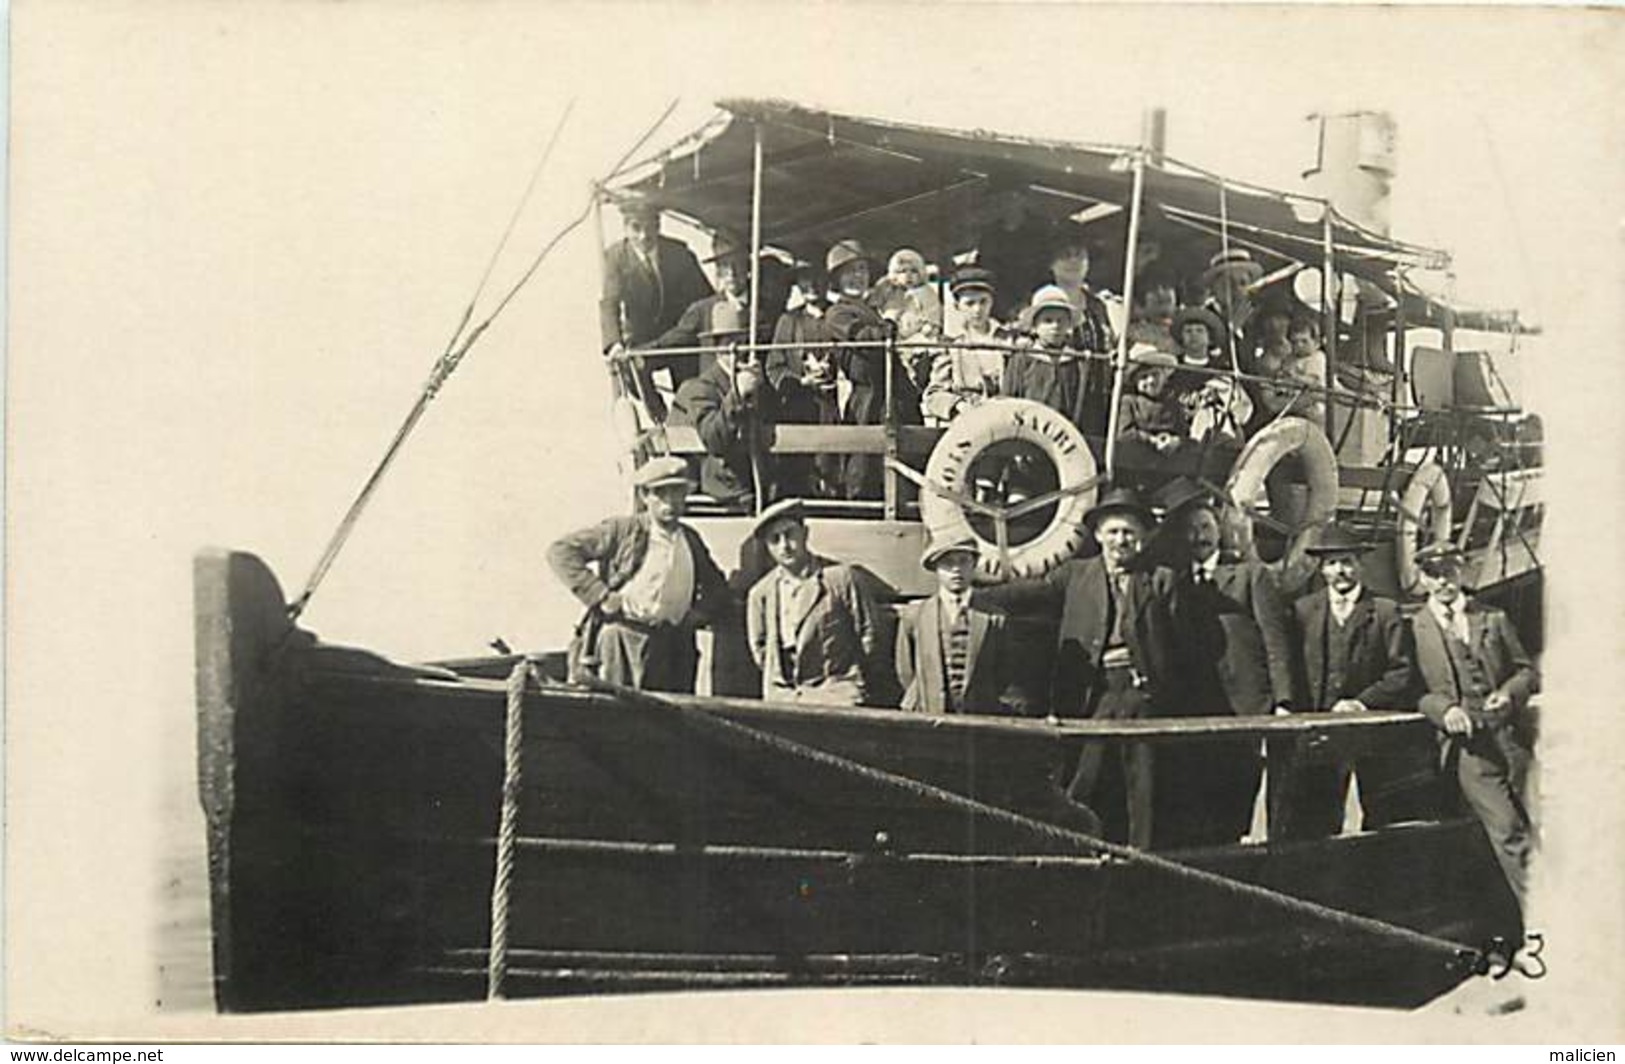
(241,233)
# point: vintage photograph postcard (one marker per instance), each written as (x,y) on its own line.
(742,523)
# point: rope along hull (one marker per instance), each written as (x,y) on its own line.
(353,813)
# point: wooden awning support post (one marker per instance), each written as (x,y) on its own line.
(754,427)
(1399,356)
(1328,314)
(1120,367)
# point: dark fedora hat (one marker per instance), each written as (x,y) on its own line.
(1334,539)
(1120,501)
(1185,315)
(1181,492)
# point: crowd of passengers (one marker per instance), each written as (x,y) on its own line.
(1158,621)
(1047,338)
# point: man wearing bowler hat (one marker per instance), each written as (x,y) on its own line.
(1354,654)
(1479,679)
(951,655)
(647,580)
(1114,654)
(732,408)
(809,622)
(1235,650)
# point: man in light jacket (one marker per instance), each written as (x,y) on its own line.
(809,622)
(1479,679)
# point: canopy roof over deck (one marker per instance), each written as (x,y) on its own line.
(827,176)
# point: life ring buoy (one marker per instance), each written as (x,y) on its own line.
(1424,510)
(1298,437)
(995,421)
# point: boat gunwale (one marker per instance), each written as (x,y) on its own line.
(1302,726)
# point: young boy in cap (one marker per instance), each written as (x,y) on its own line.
(1479,679)
(950,654)
(963,376)
(1354,654)
(1050,370)
(646,580)
(809,622)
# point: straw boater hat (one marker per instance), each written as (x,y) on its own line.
(1334,539)
(725,319)
(1119,501)
(1237,261)
(659,472)
(939,549)
(783,510)
(844,252)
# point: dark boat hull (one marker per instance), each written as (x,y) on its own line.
(353,809)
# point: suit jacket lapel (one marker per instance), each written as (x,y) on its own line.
(1431,647)
(1314,653)
(973,649)
(812,607)
(931,649)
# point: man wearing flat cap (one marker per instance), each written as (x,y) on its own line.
(1235,651)
(647,580)
(963,376)
(649,279)
(1115,654)
(809,622)
(732,408)
(1479,679)
(951,655)
(1354,653)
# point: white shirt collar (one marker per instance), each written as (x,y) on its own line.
(1343,605)
(1208,567)
(1455,618)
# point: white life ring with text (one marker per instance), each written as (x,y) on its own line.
(1424,509)
(1289,436)
(994,421)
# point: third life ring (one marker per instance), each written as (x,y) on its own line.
(954,467)
(1425,512)
(1289,436)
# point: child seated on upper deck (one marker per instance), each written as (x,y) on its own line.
(1153,426)
(905,296)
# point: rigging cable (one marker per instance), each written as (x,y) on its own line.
(447,363)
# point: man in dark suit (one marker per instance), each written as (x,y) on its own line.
(951,655)
(1235,650)
(649,280)
(1479,679)
(647,581)
(1354,654)
(1114,654)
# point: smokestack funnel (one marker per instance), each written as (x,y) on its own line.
(1154,133)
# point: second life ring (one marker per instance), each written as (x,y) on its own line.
(1289,436)
(1424,517)
(1002,451)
